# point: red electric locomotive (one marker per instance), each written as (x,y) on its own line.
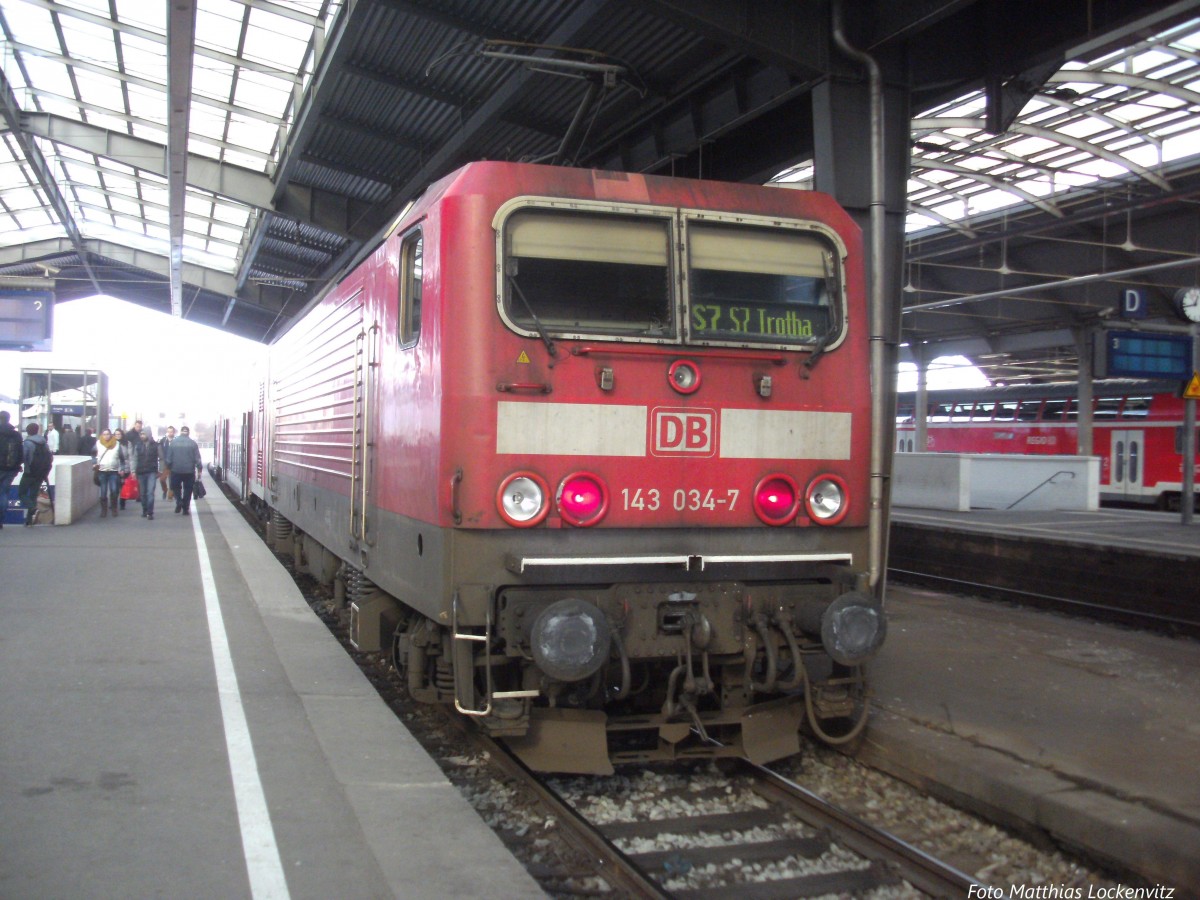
(589,450)
(1137,430)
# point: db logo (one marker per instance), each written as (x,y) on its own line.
(683,432)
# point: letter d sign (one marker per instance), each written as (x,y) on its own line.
(1133,304)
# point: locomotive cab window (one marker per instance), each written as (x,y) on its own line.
(411,272)
(750,285)
(571,273)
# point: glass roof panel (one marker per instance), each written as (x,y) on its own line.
(152,16)
(117,53)
(251,54)
(98,6)
(219,24)
(31,26)
(1126,111)
(49,74)
(85,40)
(212,78)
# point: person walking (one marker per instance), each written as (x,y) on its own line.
(145,466)
(108,467)
(51,437)
(11,459)
(183,459)
(163,446)
(126,439)
(69,442)
(37,461)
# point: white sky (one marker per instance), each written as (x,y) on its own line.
(944,372)
(156,365)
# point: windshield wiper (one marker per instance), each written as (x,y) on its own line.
(823,342)
(537,323)
(819,348)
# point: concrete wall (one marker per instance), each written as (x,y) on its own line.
(963,481)
(74,492)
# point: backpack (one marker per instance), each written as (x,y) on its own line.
(10,451)
(43,459)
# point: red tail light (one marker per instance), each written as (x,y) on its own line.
(776,499)
(582,499)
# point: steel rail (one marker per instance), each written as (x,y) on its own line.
(923,871)
(622,874)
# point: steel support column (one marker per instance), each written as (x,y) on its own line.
(842,126)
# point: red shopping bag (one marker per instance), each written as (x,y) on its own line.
(129,490)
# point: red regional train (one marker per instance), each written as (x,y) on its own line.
(590,452)
(1137,430)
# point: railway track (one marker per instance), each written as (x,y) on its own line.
(785,843)
(781,840)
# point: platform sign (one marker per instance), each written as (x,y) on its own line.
(1134,304)
(26,319)
(1142,354)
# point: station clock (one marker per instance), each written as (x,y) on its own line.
(1187,303)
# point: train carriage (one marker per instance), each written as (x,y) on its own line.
(1137,431)
(589,451)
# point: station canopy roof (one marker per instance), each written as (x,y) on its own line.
(106,100)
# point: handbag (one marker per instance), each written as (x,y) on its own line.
(129,490)
(96,476)
(199,490)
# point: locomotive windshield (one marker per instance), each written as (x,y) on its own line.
(602,273)
(759,285)
(588,274)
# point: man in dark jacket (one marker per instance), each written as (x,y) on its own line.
(68,444)
(31,479)
(183,459)
(145,466)
(11,452)
(164,445)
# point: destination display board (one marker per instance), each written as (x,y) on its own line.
(26,319)
(750,320)
(1144,354)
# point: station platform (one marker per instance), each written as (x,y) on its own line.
(175,722)
(1086,731)
(1109,528)
(1136,564)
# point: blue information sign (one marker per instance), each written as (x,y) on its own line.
(1141,354)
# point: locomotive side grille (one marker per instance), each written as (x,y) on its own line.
(313,398)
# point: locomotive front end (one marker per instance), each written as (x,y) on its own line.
(664,548)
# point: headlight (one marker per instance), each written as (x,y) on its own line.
(853,628)
(582,499)
(570,640)
(684,376)
(521,499)
(826,500)
(776,499)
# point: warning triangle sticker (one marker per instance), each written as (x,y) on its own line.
(1192,391)
(523,358)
